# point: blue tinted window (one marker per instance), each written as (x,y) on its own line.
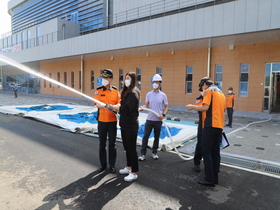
(89,12)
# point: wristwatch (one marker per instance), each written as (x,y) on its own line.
(105,105)
(163,115)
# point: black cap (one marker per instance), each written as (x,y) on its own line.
(230,88)
(107,73)
(202,81)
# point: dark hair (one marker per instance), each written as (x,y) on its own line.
(205,80)
(131,87)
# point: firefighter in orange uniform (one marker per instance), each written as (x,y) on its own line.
(107,120)
(230,105)
(212,108)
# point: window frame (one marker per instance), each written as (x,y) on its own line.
(219,81)
(244,79)
(189,83)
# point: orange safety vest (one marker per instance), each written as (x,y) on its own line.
(107,96)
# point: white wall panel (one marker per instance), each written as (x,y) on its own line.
(134,33)
(152,32)
(174,25)
(100,38)
(198,23)
(140,25)
(145,34)
(239,17)
(228,18)
(126,38)
(158,32)
(263,18)
(275,13)
(218,20)
(208,22)
(166,29)
(118,38)
(252,8)
(190,25)
(181,26)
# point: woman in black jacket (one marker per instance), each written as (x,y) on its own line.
(129,124)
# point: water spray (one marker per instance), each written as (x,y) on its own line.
(31,71)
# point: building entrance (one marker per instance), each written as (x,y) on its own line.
(272,88)
(275,100)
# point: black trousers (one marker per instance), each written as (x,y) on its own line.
(107,129)
(198,150)
(149,126)
(230,113)
(210,142)
(129,139)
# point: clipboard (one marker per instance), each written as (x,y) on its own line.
(224,141)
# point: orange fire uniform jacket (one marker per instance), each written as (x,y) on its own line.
(107,96)
(214,116)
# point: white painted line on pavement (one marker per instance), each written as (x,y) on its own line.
(277,144)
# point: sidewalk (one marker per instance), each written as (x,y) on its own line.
(259,142)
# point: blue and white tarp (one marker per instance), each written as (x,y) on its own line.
(83,119)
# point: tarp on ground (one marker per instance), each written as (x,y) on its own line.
(83,119)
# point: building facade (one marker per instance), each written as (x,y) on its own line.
(235,42)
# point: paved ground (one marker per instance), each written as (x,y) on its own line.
(69,180)
(258,142)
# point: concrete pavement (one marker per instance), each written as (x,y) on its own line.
(68,179)
(260,141)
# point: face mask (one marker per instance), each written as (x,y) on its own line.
(229,91)
(127,82)
(104,82)
(155,85)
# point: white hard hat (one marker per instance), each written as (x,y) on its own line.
(157,77)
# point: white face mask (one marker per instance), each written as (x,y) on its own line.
(127,82)
(229,91)
(105,82)
(155,85)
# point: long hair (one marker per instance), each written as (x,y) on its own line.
(131,87)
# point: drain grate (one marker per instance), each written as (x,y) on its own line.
(251,164)
(269,168)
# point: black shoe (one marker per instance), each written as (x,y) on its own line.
(112,170)
(196,168)
(230,126)
(205,183)
(227,124)
(102,169)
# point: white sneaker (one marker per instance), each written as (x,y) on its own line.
(130,177)
(154,156)
(124,171)
(142,157)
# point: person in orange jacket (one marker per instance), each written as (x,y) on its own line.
(230,105)
(107,120)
